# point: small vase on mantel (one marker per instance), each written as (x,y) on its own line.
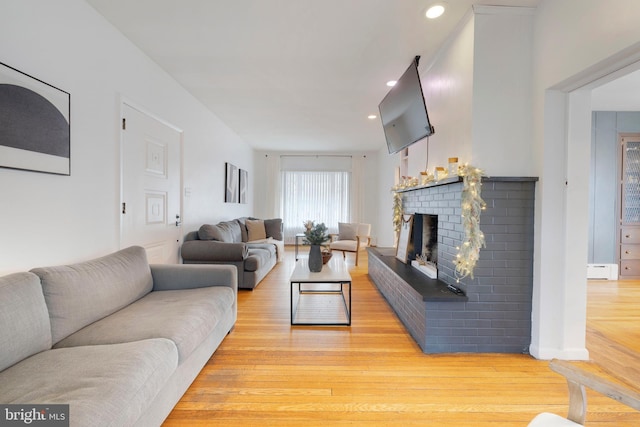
(315,259)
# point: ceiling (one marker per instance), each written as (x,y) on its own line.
(290,75)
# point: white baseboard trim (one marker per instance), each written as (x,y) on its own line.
(553,353)
(602,271)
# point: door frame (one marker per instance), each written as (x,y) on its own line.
(134,105)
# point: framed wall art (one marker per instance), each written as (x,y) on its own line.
(231,183)
(244,186)
(402,251)
(34,124)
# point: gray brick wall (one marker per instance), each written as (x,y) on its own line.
(497,316)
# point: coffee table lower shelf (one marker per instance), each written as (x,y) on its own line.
(321,304)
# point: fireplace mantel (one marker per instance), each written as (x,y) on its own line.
(495,314)
(456,179)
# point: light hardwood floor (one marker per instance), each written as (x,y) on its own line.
(267,373)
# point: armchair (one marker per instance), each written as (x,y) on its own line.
(577,380)
(351,237)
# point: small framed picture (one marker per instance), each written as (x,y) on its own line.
(231,183)
(244,186)
(402,252)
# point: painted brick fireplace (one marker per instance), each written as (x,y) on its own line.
(494,314)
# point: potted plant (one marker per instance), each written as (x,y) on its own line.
(315,236)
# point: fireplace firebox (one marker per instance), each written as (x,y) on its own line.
(424,238)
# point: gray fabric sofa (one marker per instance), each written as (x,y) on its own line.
(117,339)
(231,242)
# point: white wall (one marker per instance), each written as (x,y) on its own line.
(387,164)
(49,219)
(447,84)
(478,93)
(502,140)
(574,42)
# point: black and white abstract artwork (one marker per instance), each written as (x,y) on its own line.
(231,184)
(244,185)
(34,124)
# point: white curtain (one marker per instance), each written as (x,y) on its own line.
(320,196)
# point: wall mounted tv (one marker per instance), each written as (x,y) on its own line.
(404,112)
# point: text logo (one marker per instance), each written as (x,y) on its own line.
(34,415)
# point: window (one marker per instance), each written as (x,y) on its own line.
(314,195)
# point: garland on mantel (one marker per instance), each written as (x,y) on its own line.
(471,204)
(397,213)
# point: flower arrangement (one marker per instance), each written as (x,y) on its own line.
(307,225)
(316,234)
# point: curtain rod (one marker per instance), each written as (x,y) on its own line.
(316,155)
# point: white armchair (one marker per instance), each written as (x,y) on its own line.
(577,380)
(351,237)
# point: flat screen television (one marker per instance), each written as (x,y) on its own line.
(403,112)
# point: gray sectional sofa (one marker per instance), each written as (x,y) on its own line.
(117,339)
(252,245)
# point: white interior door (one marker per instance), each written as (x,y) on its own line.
(151,208)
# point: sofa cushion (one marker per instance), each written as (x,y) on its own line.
(273,228)
(103,385)
(243,228)
(347,231)
(344,245)
(227,231)
(259,255)
(184,316)
(78,295)
(24,319)
(213,232)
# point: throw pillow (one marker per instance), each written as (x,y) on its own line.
(346,231)
(273,228)
(243,227)
(255,229)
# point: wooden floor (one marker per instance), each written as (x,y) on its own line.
(268,373)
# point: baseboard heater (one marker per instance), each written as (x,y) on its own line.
(602,271)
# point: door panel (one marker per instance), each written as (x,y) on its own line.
(151,181)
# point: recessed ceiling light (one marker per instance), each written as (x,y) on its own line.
(391,83)
(372,116)
(435,11)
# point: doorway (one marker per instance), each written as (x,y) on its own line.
(151,182)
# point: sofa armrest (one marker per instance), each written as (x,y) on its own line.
(212,250)
(167,277)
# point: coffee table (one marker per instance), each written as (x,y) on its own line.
(318,295)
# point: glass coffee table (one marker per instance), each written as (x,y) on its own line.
(321,298)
